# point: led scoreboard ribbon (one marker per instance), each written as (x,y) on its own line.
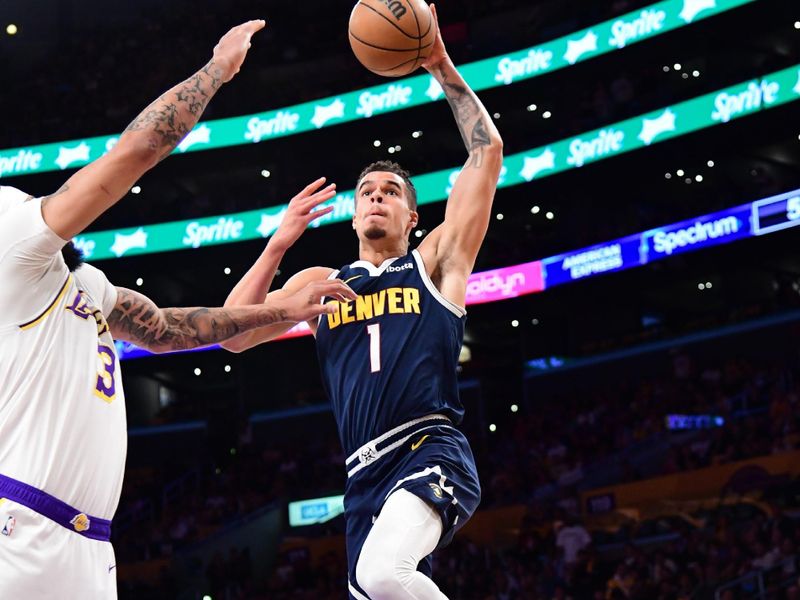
(776,213)
(634,134)
(754,219)
(610,36)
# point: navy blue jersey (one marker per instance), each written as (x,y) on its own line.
(391,355)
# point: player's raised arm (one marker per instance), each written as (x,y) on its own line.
(137,319)
(456,242)
(147,140)
(303,209)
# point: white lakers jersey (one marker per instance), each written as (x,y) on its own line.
(62,409)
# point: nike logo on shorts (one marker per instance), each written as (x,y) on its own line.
(419,443)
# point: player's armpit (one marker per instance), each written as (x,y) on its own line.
(94,189)
(455,247)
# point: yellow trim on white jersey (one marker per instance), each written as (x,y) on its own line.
(50,308)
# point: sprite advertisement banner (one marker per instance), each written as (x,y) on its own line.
(758,218)
(572,153)
(603,38)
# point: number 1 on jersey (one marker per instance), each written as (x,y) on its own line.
(374,333)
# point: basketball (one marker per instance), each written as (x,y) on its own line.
(392,37)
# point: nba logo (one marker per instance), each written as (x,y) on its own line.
(9,526)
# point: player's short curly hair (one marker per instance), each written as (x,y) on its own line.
(393,167)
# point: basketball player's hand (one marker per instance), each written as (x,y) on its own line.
(308,304)
(438,52)
(301,213)
(229,53)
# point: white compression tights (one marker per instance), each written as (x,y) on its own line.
(407,530)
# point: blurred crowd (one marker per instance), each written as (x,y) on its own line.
(564,564)
(585,438)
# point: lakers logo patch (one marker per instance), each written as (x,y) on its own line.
(80,522)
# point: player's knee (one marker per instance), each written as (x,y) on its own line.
(381,577)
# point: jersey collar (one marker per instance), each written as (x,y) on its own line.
(372,269)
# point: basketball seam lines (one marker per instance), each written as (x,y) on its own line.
(419,33)
(430,24)
(395,67)
(395,25)
(381,47)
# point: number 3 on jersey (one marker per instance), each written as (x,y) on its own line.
(105,388)
(374,333)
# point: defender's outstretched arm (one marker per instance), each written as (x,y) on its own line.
(303,209)
(137,319)
(147,140)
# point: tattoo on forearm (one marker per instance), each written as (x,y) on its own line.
(137,318)
(174,114)
(469,118)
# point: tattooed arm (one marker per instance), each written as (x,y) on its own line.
(137,319)
(147,140)
(450,250)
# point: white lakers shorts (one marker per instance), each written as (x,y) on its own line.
(40,559)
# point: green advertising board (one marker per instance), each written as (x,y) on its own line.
(637,133)
(610,36)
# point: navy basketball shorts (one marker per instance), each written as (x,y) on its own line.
(433,462)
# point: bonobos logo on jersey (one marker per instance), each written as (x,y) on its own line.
(391,301)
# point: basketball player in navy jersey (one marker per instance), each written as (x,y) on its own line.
(389,358)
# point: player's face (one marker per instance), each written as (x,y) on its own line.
(382,209)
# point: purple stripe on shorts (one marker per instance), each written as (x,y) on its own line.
(55,510)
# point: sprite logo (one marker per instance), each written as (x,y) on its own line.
(224,230)
(283,122)
(394,97)
(754,97)
(509,70)
(647,23)
(607,141)
(22,162)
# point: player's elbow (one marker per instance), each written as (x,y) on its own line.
(137,152)
(495,147)
(493,154)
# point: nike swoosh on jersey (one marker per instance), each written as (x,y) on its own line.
(419,443)
(352,279)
